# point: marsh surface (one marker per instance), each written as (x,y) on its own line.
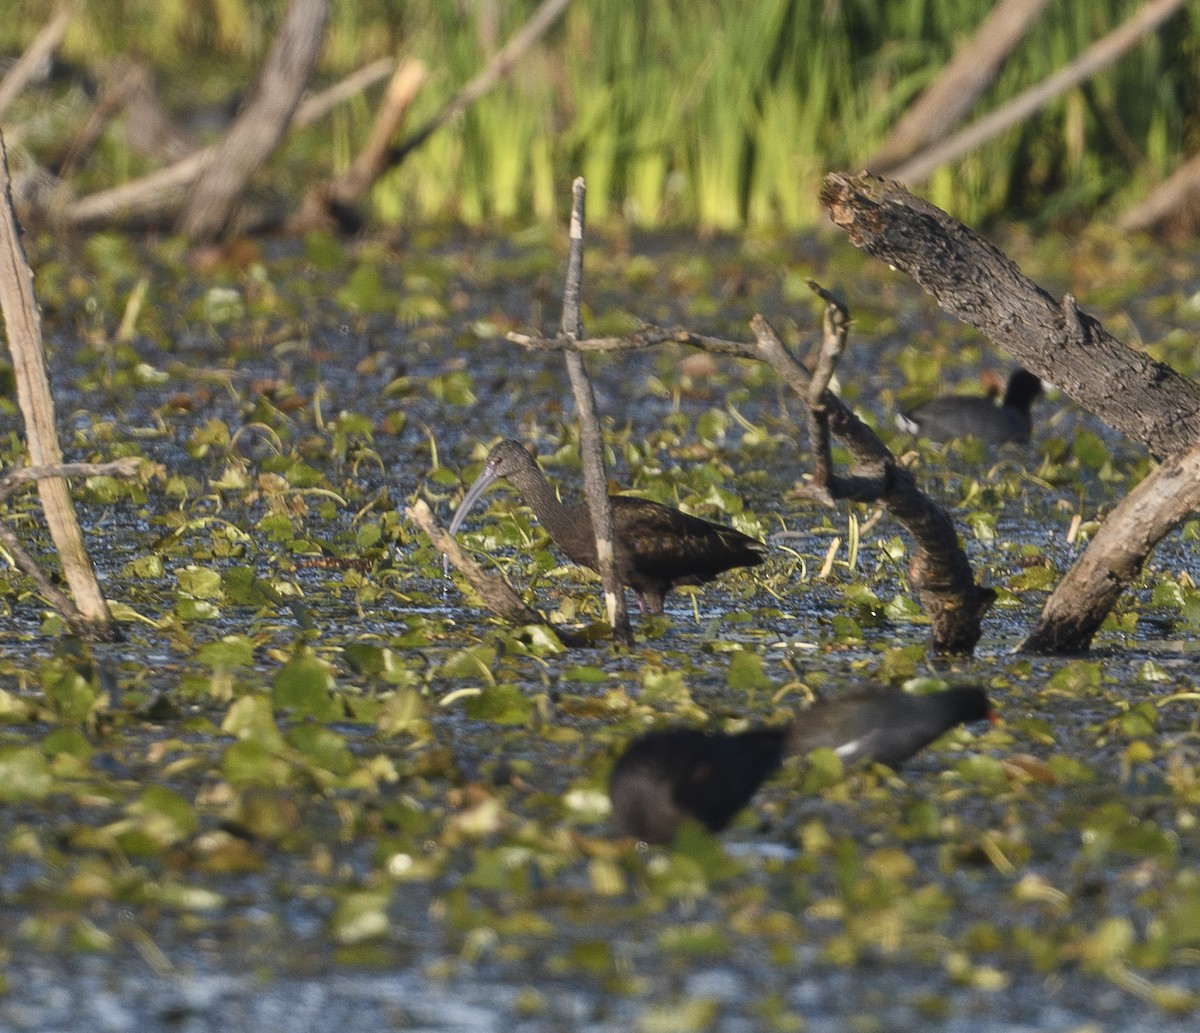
(316,787)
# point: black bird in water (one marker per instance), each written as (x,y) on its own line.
(669,776)
(655,547)
(960,416)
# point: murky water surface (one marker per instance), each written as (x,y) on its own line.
(1026,878)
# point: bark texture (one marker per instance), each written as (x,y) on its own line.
(976,282)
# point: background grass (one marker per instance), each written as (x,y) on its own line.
(710,113)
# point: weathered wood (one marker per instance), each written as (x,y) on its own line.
(939,569)
(591,445)
(44,44)
(153,198)
(259,127)
(497,594)
(1083,598)
(974,281)
(24,331)
(335,203)
(494,72)
(971,70)
(1098,56)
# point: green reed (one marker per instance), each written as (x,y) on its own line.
(712,113)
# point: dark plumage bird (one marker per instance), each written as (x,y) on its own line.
(960,416)
(656,547)
(669,776)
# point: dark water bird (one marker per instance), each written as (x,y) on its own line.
(656,547)
(960,416)
(669,776)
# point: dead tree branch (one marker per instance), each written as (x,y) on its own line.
(971,70)
(939,570)
(335,203)
(24,331)
(974,281)
(157,195)
(591,446)
(44,44)
(1145,399)
(1174,202)
(211,210)
(502,62)
(497,594)
(1099,55)
(1114,557)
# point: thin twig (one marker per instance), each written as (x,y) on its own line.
(18,477)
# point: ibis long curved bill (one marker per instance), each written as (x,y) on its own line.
(655,547)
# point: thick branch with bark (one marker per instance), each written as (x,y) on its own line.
(1145,399)
(976,282)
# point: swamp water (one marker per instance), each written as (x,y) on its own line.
(317,787)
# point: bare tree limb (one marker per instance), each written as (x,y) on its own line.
(24,331)
(974,281)
(496,593)
(1099,55)
(971,70)
(1175,200)
(336,201)
(16,478)
(502,62)
(1114,557)
(161,192)
(647,337)
(261,124)
(939,569)
(43,45)
(591,447)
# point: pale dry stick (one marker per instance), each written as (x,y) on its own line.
(15,479)
(337,199)
(43,45)
(316,106)
(974,67)
(502,62)
(212,206)
(591,447)
(1175,196)
(165,186)
(496,593)
(1099,55)
(24,329)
